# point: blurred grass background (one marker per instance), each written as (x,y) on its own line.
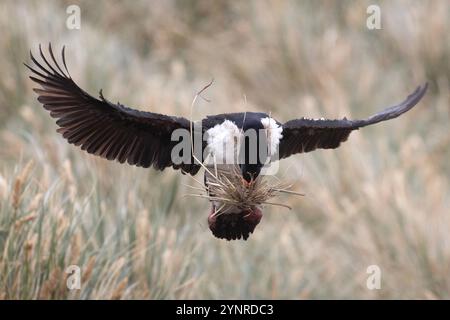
(382,198)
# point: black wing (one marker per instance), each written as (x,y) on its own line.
(305,135)
(100,127)
(242,120)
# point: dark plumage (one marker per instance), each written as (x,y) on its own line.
(305,135)
(116,132)
(100,127)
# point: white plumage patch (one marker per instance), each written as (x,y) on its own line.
(274,134)
(224,142)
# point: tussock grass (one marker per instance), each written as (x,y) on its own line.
(42,233)
(382,198)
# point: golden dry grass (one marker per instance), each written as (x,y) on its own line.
(383,198)
(229,189)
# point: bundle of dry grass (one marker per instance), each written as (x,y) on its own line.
(236,203)
(229,188)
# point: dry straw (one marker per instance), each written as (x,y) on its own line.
(229,188)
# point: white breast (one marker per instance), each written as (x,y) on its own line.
(274,134)
(223,142)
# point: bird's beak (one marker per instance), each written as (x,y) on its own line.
(246,183)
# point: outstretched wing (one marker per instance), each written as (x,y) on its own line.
(305,135)
(100,127)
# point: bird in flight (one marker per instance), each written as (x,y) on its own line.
(116,132)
